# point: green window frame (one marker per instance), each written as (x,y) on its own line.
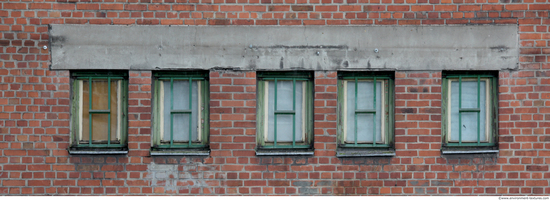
(276,80)
(116,82)
(198,137)
(384,108)
(453,89)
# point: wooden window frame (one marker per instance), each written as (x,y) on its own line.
(261,116)
(491,112)
(387,109)
(76,103)
(203,113)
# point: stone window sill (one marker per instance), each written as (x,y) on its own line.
(179,152)
(284,152)
(98,151)
(471,151)
(342,153)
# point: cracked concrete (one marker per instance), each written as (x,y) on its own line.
(487,47)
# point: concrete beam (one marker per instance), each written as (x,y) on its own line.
(488,47)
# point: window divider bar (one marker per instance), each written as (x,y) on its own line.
(365,111)
(190,108)
(285,146)
(180,145)
(89,113)
(288,112)
(374,116)
(171,108)
(181,111)
(364,77)
(469,76)
(355,126)
(469,110)
(471,144)
(285,79)
(275,117)
(459,107)
(180,78)
(99,111)
(109,108)
(100,77)
(294,109)
(478,106)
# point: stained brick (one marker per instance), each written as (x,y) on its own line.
(35,108)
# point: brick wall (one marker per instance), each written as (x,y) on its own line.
(35,115)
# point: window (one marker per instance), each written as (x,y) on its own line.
(285,110)
(469,109)
(99,110)
(181,110)
(365,108)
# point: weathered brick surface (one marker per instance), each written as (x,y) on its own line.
(35,108)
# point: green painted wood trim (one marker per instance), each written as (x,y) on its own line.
(202,78)
(180,146)
(260,122)
(75,113)
(389,99)
(205,117)
(100,74)
(468,144)
(492,112)
(263,77)
(108,75)
(286,146)
(445,123)
(362,145)
(284,75)
(340,112)
(181,74)
(124,104)
(309,112)
(493,115)
(156,113)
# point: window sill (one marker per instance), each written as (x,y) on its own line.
(342,153)
(179,152)
(457,150)
(284,152)
(472,151)
(99,151)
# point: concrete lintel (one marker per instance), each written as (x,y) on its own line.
(461,47)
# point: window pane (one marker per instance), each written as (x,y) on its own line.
(469,127)
(469,93)
(180,129)
(181,102)
(180,93)
(100,95)
(469,119)
(99,127)
(284,102)
(364,129)
(300,87)
(284,128)
(100,122)
(365,92)
(365,102)
(284,95)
